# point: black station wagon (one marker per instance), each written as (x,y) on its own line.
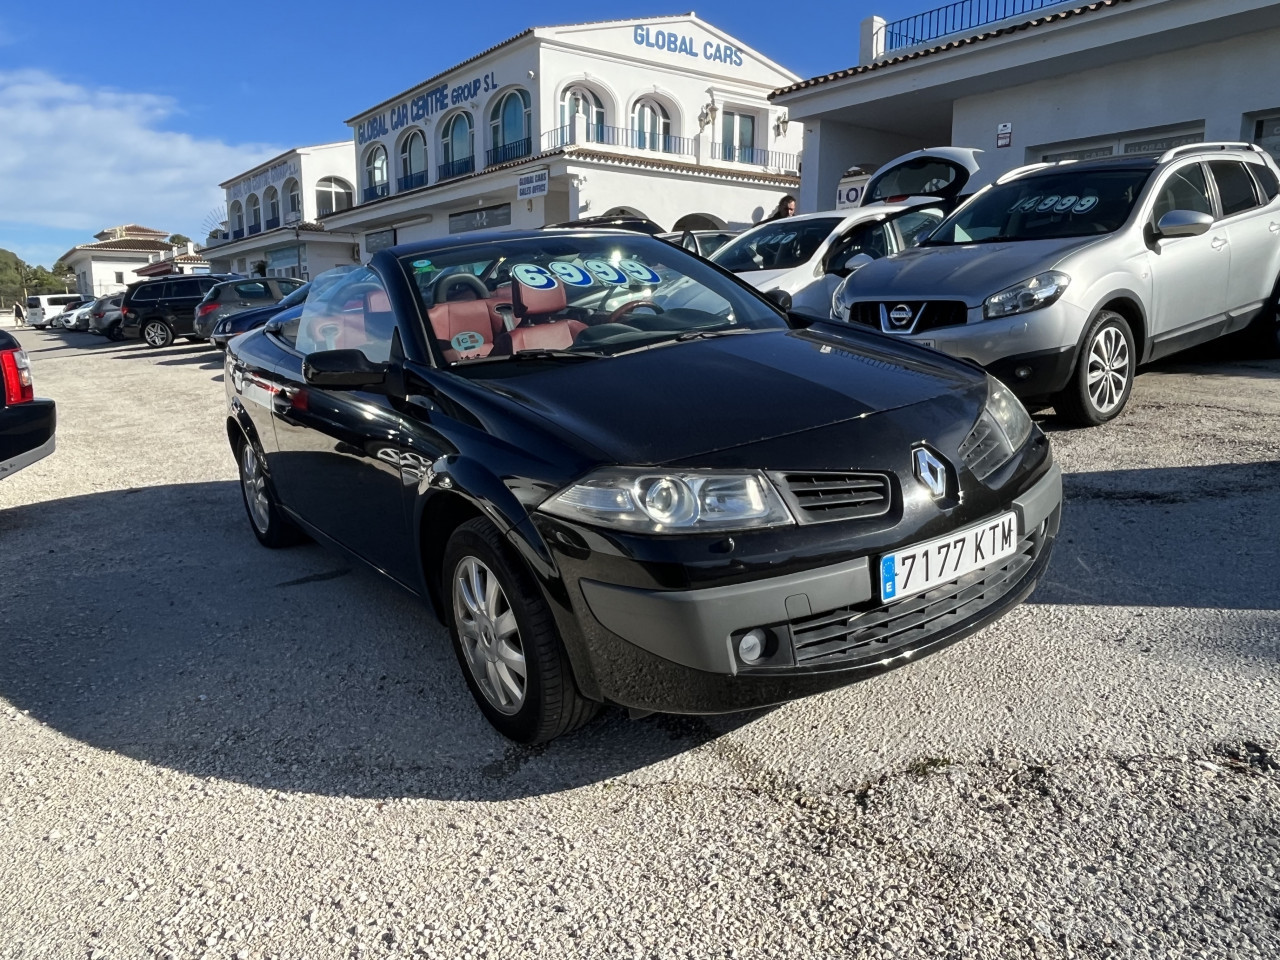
(619,475)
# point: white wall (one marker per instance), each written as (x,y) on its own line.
(664,197)
(1216,83)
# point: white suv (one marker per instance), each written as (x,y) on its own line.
(1062,278)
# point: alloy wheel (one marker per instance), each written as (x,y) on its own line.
(254,482)
(1109,369)
(156,334)
(490,635)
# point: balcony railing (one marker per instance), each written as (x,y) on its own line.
(411,180)
(376,191)
(620,137)
(457,168)
(272,223)
(955,18)
(508,151)
(237,234)
(757,156)
(255,228)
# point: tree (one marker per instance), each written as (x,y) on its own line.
(179,240)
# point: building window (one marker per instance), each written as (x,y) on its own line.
(581,102)
(293,202)
(237,220)
(651,125)
(738,137)
(413,161)
(375,173)
(332,195)
(509,128)
(271,200)
(255,213)
(119,276)
(456,156)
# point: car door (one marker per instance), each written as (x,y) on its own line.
(1189,275)
(338,451)
(178,303)
(247,295)
(870,237)
(1252,243)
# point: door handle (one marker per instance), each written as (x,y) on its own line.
(1218,243)
(1274,227)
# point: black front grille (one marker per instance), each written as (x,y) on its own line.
(861,633)
(838,496)
(926,315)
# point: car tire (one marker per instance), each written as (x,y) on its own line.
(1103,378)
(272,528)
(114,333)
(195,339)
(157,333)
(507,626)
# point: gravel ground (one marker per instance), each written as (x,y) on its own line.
(208,749)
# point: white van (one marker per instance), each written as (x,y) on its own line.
(43,308)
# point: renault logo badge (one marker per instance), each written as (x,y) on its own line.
(900,316)
(932,472)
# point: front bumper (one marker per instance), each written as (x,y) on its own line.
(674,650)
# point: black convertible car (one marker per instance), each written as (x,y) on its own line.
(619,475)
(27,422)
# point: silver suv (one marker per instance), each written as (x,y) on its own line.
(1060,278)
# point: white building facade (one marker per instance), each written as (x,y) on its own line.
(1056,81)
(665,118)
(272,213)
(109,264)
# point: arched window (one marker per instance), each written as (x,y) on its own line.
(581,102)
(237,220)
(413,161)
(651,125)
(293,200)
(271,200)
(375,173)
(332,195)
(509,128)
(456,156)
(255,213)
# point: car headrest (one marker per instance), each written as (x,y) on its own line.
(377,302)
(527,301)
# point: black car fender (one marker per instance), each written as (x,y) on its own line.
(240,426)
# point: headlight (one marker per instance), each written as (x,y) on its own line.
(1000,432)
(650,501)
(1040,291)
(839,309)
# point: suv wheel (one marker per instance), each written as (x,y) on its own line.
(157,333)
(1103,379)
(114,333)
(506,639)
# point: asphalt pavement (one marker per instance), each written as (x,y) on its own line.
(209,749)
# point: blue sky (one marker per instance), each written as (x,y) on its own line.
(109,117)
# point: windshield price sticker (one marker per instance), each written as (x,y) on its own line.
(623,274)
(1056,203)
(606,272)
(638,271)
(571,273)
(532,275)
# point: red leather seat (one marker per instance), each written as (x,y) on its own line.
(463,329)
(536,325)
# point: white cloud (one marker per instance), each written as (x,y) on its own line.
(77,158)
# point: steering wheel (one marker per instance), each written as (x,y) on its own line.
(630,305)
(463,280)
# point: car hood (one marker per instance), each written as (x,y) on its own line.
(971,271)
(688,400)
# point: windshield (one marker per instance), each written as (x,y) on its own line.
(776,245)
(575,295)
(1065,203)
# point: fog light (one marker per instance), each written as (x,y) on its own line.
(751,646)
(1022,372)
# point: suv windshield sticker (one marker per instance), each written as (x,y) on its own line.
(1066,203)
(1085,205)
(1025,206)
(1048,203)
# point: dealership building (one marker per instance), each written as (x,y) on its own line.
(666,118)
(1034,80)
(273,212)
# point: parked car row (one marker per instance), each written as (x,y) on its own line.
(1060,279)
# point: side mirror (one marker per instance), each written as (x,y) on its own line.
(779,297)
(857,262)
(344,369)
(1183,223)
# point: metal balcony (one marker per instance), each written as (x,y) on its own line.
(508,151)
(960,17)
(376,191)
(457,168)
(272,223)
(411,180)
(757,156)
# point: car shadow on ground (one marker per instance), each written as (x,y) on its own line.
(170,636)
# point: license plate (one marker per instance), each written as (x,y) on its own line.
(925,343)
(926,565)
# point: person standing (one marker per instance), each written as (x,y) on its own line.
(786,208)
(19,315)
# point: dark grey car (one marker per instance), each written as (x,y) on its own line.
(236,296)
